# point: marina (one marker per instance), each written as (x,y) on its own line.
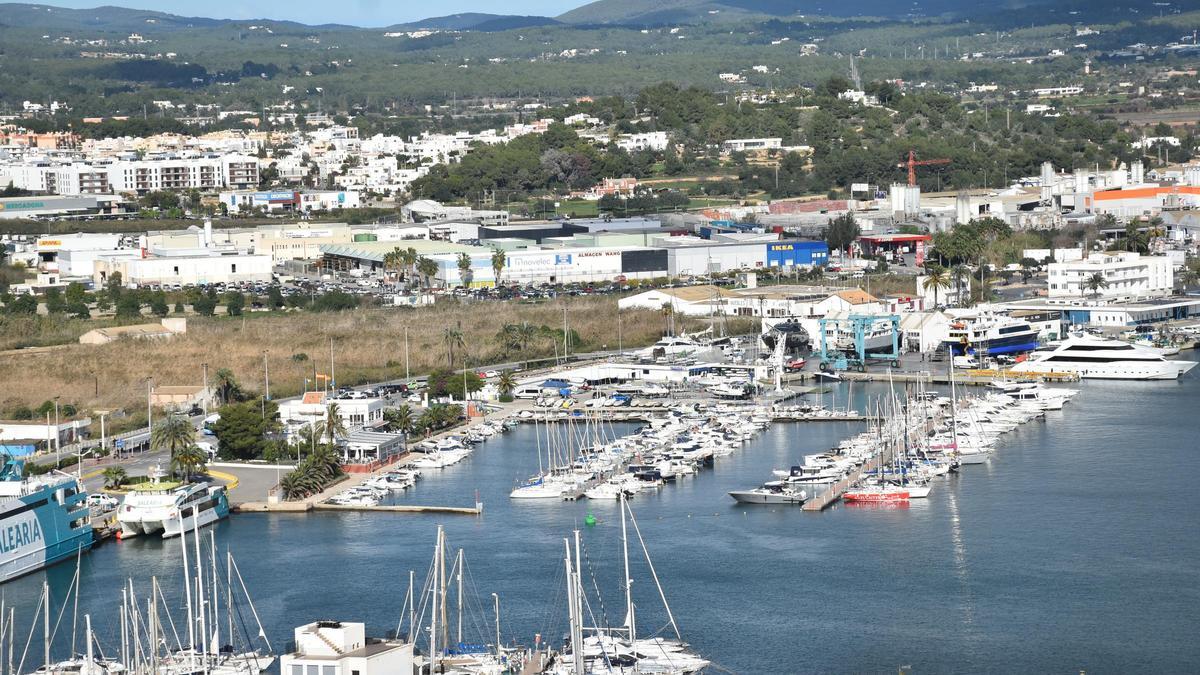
(696,521)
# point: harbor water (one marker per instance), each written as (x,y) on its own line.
(1076,548)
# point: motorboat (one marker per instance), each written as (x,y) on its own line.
(978,333)
(773,492)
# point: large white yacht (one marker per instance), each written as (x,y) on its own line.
(1097,358)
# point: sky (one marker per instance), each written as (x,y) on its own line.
(353,12)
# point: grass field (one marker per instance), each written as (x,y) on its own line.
(368,345)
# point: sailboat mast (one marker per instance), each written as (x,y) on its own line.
(433,606)
(628,578)
(203,611)
(46,623)
(412,609)
(87,623)
(459,593)
(216,623)
(187,584)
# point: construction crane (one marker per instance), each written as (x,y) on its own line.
(913,163)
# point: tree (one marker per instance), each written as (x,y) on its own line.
(507,383)
(188,462)
(1096,283)
(114,477)
(498,262)
(205,305)
(841,232)
(227,386)
(20,305)
(452,338)
(158,304)
(428,269)
(937,279)
(446,382)
(274,297)
(399,419)
(128,307)
(176,435)
(464,269)
(334,426)
(243,428)
(235,301)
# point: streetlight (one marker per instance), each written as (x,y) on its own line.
(57,437)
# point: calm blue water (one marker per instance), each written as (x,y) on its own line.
(1076,548)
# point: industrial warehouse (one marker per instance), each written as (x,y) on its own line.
(586,251)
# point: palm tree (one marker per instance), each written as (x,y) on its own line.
(325,463)
(1188,278)
(464,269)
(188,461)
(453,337)
(1095,282)
(227,386)
(958,274)
(507,383)
(498,262)
(300,483)
(427,268)
(175,434)
(937,279)
(114,477)
(334,427)
(399,419)
(392,261)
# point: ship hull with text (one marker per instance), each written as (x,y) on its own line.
(168,509)
(991,335)
(43,520)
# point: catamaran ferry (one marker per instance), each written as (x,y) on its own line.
(43,520)
(167,507)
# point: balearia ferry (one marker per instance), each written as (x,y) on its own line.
(43,519)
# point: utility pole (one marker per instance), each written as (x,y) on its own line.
(266,375)
(57,437)
(204,397)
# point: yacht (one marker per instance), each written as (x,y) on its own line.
(672,346)
(795,337)
(992,334)
(773,492)
(43,520)
(160,506)
(1098,358)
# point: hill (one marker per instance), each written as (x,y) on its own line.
(636,12)
(479,21)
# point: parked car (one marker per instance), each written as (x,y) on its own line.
(102,500)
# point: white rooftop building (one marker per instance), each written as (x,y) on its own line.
(1126,275)
(337,648)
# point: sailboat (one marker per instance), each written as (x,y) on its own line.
(592,650)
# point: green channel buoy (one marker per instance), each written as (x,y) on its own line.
(590,521)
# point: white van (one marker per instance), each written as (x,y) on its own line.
(528,392)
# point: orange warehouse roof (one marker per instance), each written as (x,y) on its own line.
(1142,193)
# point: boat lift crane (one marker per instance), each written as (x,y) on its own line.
(835,359)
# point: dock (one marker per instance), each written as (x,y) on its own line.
(305,507)
(977,378)
(404,508)
(822,501)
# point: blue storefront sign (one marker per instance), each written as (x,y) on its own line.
(788,253)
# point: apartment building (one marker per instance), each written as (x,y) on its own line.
(1126,275)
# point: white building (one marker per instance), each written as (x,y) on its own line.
(337,648)
(1128,275)
(288,201)
(312,409)
(751,144)
(186,266)
(654,141)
